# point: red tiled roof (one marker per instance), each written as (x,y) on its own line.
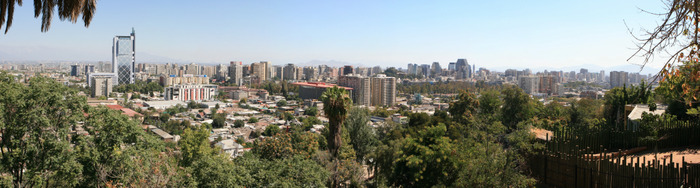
(125,111)
(129,112)
(114,107)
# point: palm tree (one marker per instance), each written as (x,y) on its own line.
(335,104)
(67,9)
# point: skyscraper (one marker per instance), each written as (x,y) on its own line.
(425,70)
(192,69)
(618,78)
(259,70)
(347,69)
(124,57)
(436,68)
(383,90)
(266,69)
(235,72)
(74,70)
(360,85)
(463,69)
(289,72)
(89,69)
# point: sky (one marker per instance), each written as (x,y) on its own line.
(492,34)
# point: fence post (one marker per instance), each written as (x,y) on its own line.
(575,175)
(545,168)
(685,172)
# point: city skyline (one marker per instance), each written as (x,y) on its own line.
(358,33)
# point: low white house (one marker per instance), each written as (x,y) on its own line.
(231,147)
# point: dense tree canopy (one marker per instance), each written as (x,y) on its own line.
(34,122)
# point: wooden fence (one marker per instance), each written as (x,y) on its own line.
(585,159)
(613,172)
(670,134)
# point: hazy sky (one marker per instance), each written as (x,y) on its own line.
(545,33)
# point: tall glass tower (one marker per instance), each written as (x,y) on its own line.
(124,57)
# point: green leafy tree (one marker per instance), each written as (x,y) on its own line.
(35,121)
(312,111)
(335,105)
(680,89)
(253,120)
(381,112)
(255,134)
(425,160)
(282,103)
(517,106)
(295,171)
(489,104)
(271,130)
(286,145)
(219,121)
(308,123)
(216,170)
(583,115)
(487,164)
(194,145)
(465,107)
(238,123)
(362,136)
(117,150)
(617,98)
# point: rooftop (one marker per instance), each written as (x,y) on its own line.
(319,85)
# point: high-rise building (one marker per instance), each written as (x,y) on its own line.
(548,84)
(347,69)
(436,68)
(300,73)
(89,69)
(74,70)
(383,90)
(104,67)
(259,70)
(192,69)
(266,70)
(529,84)
(210,71)
(235,72)
(310,73)
(124,57)
(290,72)
(360,86)
(221,71)
(463,69)
(101,85)
(278,71)
(413,69)
(618,78)
(425,70)
(451,66)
